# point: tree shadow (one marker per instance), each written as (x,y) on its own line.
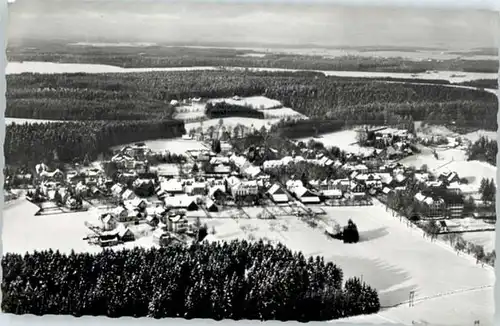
(373,234)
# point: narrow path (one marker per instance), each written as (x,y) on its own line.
(440,295)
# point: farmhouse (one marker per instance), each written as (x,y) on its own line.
(278,195)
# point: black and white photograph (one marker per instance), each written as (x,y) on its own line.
(258,161)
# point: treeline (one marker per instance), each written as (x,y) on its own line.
(157,56)
(225,110)
(481,83)
(483,149)
(29,144)
(306,128)
(236,280)
(357,101)
(81,97)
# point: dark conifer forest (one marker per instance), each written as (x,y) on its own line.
(236,280)
(332,102)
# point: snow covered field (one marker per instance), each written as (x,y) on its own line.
(345,140)
(272,109)
(485,239)
(60,68)
(173,145)
(255,102)
(390,256)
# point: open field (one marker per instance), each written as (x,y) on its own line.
(390,256)
(272,109)
(345,140)
(60,68)
(175,145)
(254,102)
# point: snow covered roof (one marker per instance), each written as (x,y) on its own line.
(122,157)
(180,201)
(127,194)
(171,185)
(332,192)
(290,184)
(386,190)
(253,171)
(219,160)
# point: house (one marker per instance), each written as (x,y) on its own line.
(54,175)
(421,177)
(172,186)
(71,176)
(137,150)
(449,177)
(211,206)
(305,195)
(225,147)
(219,160)
(39,168)
(252,172)
(386,191)
(357,190)
(181,202)
(117,189)
(123,161)
(278,195)
(128,195)
(120,213)
(138,203)
(433,206)
(217,194)
(332,193)
(399,180)
(222,169)
(108,222)
(195,188)
(177,224)
(454,202)
(341,184)
(245,188)
(124,233)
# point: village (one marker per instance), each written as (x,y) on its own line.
(164,196)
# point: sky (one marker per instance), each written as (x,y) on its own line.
(208,22)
